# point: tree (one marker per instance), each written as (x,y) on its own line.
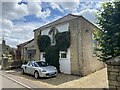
(11,52)
(109,35)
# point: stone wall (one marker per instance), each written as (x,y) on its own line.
(37,55)
(74,48)
(8,64)
(113,69)
(88,60)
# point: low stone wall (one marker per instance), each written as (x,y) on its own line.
(113,69)
(7,64)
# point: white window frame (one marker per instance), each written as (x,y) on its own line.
(43,58)
(62,52)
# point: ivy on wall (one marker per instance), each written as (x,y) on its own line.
(43,42)
(52,51)
(52,56)
(63,41)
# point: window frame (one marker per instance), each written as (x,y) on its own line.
(63,52)
(52,35)
(42,54)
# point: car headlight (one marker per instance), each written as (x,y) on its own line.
(43,70)
(55,68)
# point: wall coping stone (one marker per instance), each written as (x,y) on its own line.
(114,61)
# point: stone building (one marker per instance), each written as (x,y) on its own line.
(7,51)
(5,48)
(25,51)
(80,58)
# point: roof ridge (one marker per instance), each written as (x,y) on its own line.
(25,42)
(58,20)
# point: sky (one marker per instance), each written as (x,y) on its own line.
(18,18)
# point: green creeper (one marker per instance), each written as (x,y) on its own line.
(43,42)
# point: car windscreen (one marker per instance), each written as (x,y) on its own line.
(42,64)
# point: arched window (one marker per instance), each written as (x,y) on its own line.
(53,31)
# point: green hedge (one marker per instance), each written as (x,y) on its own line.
(43,42)
(63,40)
(52,56)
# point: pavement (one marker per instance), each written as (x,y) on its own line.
(94,80)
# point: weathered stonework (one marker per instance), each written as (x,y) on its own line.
(37,56)
(113,69)
(82,59)
(9,64)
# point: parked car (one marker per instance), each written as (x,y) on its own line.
(39,69)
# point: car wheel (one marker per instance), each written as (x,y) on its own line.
(36,75)
(23,71)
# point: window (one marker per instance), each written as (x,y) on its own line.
(53,31)
(43,55)
(41,64)
(26,48)
(63,55)
(94,43)
(30,64)
(36,65)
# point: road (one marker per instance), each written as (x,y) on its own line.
(7,83)
(14,81)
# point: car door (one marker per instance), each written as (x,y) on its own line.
(32,69)
(28,68)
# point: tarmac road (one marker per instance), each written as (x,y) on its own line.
(7,83)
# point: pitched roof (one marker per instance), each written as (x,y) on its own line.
(58,21)
(64,19)
(23,44)
(30,44)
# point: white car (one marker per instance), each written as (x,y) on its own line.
(39,69)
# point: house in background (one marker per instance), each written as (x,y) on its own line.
(79,58)
(30,51)
(26,51)
(7,51)
(5,48)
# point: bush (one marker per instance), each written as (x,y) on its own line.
(43,42)
(63,41)
(52,56)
